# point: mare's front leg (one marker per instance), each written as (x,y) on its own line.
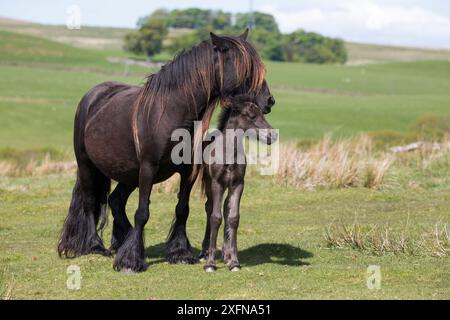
(232,205)
(216,194)
(131,255)
(121,226)
(178,249)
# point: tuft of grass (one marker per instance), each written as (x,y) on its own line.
(437,242)
(36,167)
(171,185)
(426,155)
(378,240)
(330,164)
(6,284)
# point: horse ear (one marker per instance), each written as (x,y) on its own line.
(244,35)
(218,42)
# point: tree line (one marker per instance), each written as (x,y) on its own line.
(194,25)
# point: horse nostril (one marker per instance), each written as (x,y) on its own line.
(271,101)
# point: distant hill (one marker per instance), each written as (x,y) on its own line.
(360,53)
(86,37)
(111,38)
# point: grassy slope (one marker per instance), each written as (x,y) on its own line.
(46,79)
(344,100)
(314,99)
(86,37)
(281,237)
(359,53)
(281,242)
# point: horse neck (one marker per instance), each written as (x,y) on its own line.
(203,101)
(201,94)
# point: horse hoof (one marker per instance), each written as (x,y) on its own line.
(235,268)
(210,269)
(181,256)
(129,266)
(127,270)
(202,257)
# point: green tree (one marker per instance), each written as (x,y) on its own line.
(221,20)
(267,43)
(261,20)
(132,42)
(194,18)
(149,38)
(312,47)
(187,41)
(300,45)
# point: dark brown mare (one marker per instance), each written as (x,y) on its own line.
(123,133)
(226,173)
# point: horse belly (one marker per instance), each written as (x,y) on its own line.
(110,145)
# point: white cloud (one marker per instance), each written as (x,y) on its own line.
(368,21)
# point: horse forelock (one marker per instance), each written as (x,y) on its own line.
(249,67)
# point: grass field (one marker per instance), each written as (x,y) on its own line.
(282,238)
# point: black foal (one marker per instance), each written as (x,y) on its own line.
(224,170)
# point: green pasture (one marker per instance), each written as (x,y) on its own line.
(282,234)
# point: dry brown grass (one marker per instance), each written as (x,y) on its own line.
(340,164)
(35,167)
(170,185)
(384,240)
(426,154)
(327,164)
(6,284)
(437,241)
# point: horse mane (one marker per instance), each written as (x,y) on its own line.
(193,71)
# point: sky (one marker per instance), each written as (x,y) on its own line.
(419,23)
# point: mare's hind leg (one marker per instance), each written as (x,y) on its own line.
(121,226)
(178,248)
(232,205)
(79,234)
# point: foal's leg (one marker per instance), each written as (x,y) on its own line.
(216,193)
(131,255)
(178,246)
(232,206)
(205,244)
(226,231)
(121,226)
